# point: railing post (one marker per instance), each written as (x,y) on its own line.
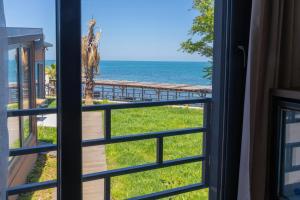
(206,142)
(107,135)
(133,94)
(107,126)
(160,150)
(113,93)
(102,89)
(107,183)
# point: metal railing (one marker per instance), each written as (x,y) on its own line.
(109,139)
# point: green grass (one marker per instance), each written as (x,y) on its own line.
(47,134)
(13,106)
(52,103)
(44,170)
(133,121)
(45,167)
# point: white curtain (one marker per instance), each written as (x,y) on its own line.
(3,103)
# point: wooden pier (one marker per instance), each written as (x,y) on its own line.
(147,91)
(132,91)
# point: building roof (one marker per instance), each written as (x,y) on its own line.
(22,35)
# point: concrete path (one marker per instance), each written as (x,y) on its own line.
(47,120)
(94,159)
(13,131)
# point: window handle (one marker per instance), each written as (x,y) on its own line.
(242,49)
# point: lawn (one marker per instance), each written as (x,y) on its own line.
(45,167)
(141,120)
(44,170)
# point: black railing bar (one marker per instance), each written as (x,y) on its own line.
(292,168)
(43,111)
(292,145)
(30,112)
(107,126)
(171,192)
(144,136)
(107,184)
(206,142)
(32,150)
(118,139)
(141,168)
(31,187)
(144,104)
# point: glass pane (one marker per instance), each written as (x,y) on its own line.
(137,51)
(290,187)
(13,123)
(25,78)
(13,102)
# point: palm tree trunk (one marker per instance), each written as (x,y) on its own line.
(89,86)
(88,97)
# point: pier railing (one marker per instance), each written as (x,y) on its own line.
(161,162)
(131,91)
(131,94)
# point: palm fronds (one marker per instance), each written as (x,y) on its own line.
(90,59)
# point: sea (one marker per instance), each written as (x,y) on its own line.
(144,71)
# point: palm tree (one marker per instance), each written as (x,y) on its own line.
(51,71)
(90,60)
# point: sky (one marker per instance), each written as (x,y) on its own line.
(149,30)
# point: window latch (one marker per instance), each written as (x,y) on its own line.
(242,49)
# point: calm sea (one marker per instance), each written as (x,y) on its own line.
(147,71)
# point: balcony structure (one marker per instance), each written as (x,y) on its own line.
(161,162)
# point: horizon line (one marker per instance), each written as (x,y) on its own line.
(148,60)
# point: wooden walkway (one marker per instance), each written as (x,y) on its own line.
(94,159)
(157,86)
(147,91)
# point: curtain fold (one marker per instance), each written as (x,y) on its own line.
(3,104)
(273,62)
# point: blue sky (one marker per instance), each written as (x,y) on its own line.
(131,29)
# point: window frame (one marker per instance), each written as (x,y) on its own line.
(232,28)
(230,51)
(69,148)
(231,34)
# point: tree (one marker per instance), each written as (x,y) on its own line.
(202,33)
(51,71)
(90,60)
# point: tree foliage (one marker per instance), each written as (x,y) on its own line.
(202,33)
(51,71)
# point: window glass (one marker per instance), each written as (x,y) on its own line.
(290,180)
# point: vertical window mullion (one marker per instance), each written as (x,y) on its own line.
(69,99)
(20,95)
